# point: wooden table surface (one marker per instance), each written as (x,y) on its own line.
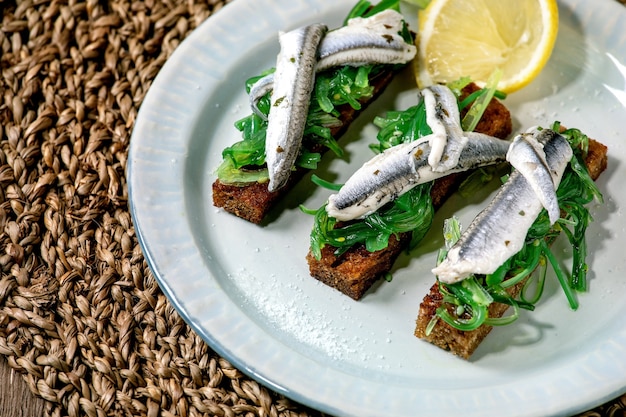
(16,399)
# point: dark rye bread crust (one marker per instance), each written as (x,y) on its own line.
(355,271)
(462,343)
(253,201)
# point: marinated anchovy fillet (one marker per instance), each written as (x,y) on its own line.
(371,40)
(402,167)
(293,84)
(499,231)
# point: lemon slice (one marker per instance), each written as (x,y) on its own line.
(460,38)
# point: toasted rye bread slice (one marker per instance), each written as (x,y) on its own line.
(253,201)
(355,271)
(462,343)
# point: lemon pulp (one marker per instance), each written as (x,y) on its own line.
(459,38)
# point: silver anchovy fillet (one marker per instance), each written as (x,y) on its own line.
(499,231)
(294,80)
(443,117)
(527,156)
(402,167)
(371,40)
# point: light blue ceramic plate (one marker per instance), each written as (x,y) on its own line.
(246,289)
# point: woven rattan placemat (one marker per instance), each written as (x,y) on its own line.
(81,317)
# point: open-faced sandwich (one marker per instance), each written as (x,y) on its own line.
(322,80)
(424,153)
(485,271)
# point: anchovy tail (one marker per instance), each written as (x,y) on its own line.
(258,90)
(443,117)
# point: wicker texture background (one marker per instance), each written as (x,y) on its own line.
(81,317)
